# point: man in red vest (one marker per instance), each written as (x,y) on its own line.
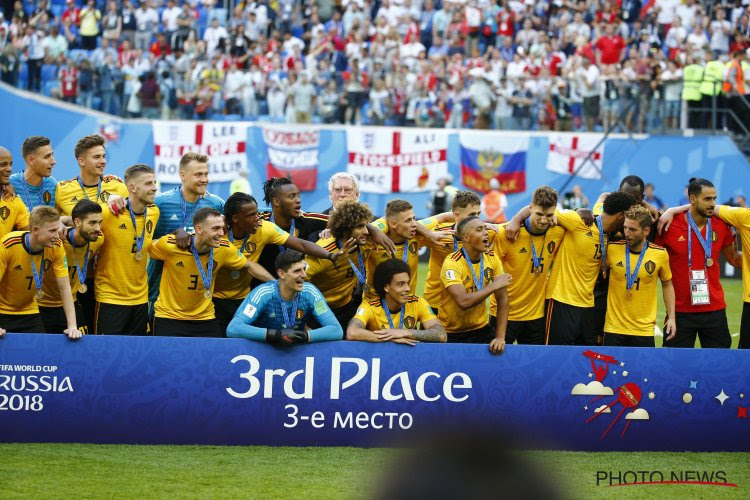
(69,82)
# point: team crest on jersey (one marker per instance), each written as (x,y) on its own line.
(149,226)
(46,264)
(104,196)
(410,322)
(413,247)
(489,273)
(250,247)
(300,313)
(650,267)
(4,213)
(551,247)
(47,197)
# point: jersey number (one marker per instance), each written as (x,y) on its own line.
(598,251)
(541,265)
(193,282)
(31,280)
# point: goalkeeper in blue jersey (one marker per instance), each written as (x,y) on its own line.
(276,312)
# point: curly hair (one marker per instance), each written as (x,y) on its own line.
(233,204)
(617,202)
(347,216)
(639,214)
(385,272)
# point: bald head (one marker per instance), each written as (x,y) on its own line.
(4,151)
(6,166)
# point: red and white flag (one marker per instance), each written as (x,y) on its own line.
(567,153)
(293,153)
(223,142)
(396,161)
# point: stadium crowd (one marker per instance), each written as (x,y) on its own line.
(509,64)
(109,256)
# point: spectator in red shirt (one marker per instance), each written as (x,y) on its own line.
(72,13)
(610,46)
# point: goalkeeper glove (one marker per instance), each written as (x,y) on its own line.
(286,337)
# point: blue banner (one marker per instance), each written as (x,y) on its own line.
(235,392)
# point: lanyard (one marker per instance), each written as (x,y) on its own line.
(80,270)
(282,248)
(630,278)
(138,241)
(602,245)
(244,242)
(360,270)
(98,188)
(388,315)
(206,275)
(455,244)
(534,256)
(28,195)
(37,274)
(185,214)
(705,242)
(478,282)
(405,256)
(289,316)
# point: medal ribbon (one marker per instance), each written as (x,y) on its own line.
(388,315)
(360,270)
(138,241)
(98,188)
(405,257)
(630,278)
(207,275)
(534,256)
(601,242)
(244,242)
(705,242)
(289,319)
(38,275)
(80,270)
(478,282)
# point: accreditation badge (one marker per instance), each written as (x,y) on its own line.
(699,295)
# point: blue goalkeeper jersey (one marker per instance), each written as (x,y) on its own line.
(264,309)
(175,213)
(32,196)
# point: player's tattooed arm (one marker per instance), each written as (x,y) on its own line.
(356,330)
(433,331)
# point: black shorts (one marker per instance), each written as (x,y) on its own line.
(88,303)
(524,332)
(114,319)
(745,327)
(709,327)
(224,310)
(22,323)
(166,327)
(621,340)
(479,336)
(569,325)
(591,106)
(55,322)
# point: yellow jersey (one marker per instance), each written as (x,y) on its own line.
(73,255)
(526,296)
(433,283)
(336,281)
(70,192)
(416,312)
(14,216)
(236,285)
(181,293)
(578,262)
(635,315)
(740,219)
(17,284)
(120,278)
(456,271)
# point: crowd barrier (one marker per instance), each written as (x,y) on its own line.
(235,392)
(666,161)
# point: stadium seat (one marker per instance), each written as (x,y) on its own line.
(49,73)
(57,10)
(220,14)
(232,118)
(49,86)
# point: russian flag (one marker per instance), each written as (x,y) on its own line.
(487,156)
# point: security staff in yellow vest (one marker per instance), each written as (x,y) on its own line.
(692,76)
(713,77)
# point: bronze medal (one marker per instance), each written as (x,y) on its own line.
(235,275)
(537,272)
(39,294)
(366,288)
(709,262)
(82,288)
(207,294)
(139,255)
(629,294)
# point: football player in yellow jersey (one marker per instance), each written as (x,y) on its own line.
(25,256)
(342,283)
(81,243)
(465,204)
(396,315)
(527,260)
(469,277)
(91,184)
(249,234)
(121,285)
(13,213)
(184,307)
(634,266)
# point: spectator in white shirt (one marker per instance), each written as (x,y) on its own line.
(213,35)
(146,21)
(169,19)
(234,82)
(719,30)
(54,43)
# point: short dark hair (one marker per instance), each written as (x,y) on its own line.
(462,225)
(617,202)
(385,272)
(31,144)
(545,197)
(696,184)
(272,186)
(234,202)
(136,170)
(397,206)
(84,208)
(203,214)
(88,142)
(287,258)
(632,180)
(465,198)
